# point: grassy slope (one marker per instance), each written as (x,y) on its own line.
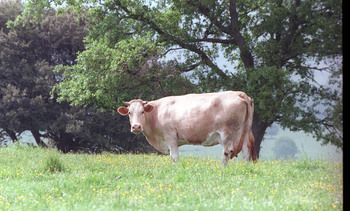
(121,182)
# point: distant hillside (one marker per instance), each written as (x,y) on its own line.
(308,147)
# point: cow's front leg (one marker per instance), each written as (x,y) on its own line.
(174,152)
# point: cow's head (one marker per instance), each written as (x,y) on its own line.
(136,110)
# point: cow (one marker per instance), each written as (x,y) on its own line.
(207,119)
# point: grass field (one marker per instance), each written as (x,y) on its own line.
(43,179)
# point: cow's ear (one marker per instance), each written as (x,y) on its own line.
(149,107)
(123,110)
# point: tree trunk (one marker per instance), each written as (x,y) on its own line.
(65,142)
(11,134)
(36,136)
(259,128)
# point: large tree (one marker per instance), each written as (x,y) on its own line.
(271,48)
(28,54)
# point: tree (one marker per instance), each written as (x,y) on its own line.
(275,47)
(28,54)
(9,10)
(107,75)
(285,148)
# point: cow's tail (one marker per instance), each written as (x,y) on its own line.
(248,124)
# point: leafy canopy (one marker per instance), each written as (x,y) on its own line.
(29,52)
(270,49)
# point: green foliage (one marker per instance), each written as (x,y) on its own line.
(30,50)
(285,148)
(9,10)
(132,182)
(273,49)
(271,83)
(105,76)
(333,125)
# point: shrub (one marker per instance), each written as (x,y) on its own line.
(285,148)
(54,164)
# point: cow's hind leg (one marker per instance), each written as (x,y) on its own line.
(248,148)
(227,155)
(225,158)
(232,145)
(228,152)
(246,151)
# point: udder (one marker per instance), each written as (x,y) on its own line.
(212,139)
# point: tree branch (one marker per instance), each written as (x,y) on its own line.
(191,67)
(245,53)
(255,8)
(207,13)
(205,59)
(171,49)
(293,26)
(215,40)
(232,29)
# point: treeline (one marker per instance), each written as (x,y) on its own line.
(30,50)
(96,54)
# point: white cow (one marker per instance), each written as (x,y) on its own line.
(223,118)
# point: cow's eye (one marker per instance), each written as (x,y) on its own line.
(142,112)
(129,113)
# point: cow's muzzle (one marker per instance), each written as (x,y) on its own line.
(137,129)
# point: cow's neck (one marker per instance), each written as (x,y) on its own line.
(150,132)
(148,128)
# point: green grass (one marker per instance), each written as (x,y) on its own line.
(151,182)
